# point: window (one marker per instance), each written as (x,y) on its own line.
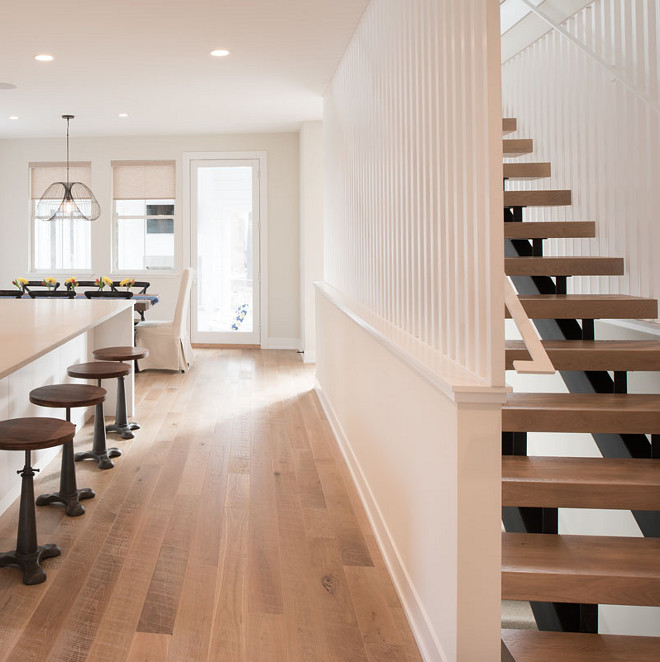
(143,199)
(59,245)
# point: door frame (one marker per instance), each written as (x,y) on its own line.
(262,274)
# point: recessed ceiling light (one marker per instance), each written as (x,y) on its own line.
(220,53)
(13,117)
(7,86)
(44,58)
(122,115)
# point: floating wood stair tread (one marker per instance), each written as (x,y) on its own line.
(526,170)
(582,412)
(534,646)
(563,266)
(588,306)
(567,482)
(517,147)
(583,569)
(548,198)
(549,229)
(622,355)
(509,125)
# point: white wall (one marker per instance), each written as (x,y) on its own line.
(311,231)
(600,128)
(283,209)
(410,317)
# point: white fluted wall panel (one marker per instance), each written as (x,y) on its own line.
(413,197)
(601,131)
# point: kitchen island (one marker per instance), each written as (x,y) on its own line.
(39,339)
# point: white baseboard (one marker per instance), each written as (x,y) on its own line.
(281,343)
(309,356)
(429,645)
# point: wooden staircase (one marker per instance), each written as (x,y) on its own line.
(566,577)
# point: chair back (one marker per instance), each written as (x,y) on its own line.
(52,294)
(83,283)
(183,299)
(39,284)
(110,294)
(16,294)
(142,284)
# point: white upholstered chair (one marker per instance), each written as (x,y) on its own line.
(168,342)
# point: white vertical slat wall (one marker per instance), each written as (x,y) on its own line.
(413,215)
(601,131)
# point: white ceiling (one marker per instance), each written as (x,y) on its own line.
(150,59)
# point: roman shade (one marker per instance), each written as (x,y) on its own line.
(42,175)
(143,180)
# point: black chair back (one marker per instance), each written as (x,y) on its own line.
(98,294)
(16,294)
(83,283)
(52,294)
(38,283)
(143,284)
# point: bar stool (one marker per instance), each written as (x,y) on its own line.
(28,434)
(67,396)
(99,370)
(127,353)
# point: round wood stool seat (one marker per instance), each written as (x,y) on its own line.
(34,433)
(124,353)
(68,396)
(28,434)
(99,370)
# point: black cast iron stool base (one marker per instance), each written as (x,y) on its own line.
(123,353)
(29,434)
(99,370)
(99,451)
(121,424)
(28,555)
(33,573)
(69,495)
(67,396)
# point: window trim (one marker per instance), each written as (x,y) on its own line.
(32,269)
(114,230)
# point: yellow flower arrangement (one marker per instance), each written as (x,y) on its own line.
(49,282)
(127,283)
(102,281)
(20,283)
(71,283)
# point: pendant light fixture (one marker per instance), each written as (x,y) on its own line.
(68,200)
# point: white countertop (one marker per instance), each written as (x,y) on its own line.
(30,328)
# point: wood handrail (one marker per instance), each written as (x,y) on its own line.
(540,363)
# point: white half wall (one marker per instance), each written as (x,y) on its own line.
(427,469)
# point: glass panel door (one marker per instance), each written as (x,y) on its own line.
(225,246)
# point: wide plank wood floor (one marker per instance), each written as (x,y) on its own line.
(229,530)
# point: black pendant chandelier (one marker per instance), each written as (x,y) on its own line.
(68,200)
